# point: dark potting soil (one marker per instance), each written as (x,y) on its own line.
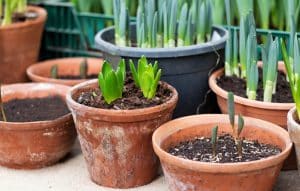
(238,87)
(37,109)
(73,77)
(132,98)
(200,149)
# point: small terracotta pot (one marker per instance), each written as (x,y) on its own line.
(294,131)
(116,144)
(19,47)
(182,174)
(41,72)
(31,145)
(273,112)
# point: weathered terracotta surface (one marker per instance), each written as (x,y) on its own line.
(117,143)
(41,72)
(187,175)
(38,144)
(294,131)
(273,112)
(19,47)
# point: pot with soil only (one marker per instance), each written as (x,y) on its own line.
(39,130)
(19,46)
(116,138)
(185,68)
(68,70)
(194,174)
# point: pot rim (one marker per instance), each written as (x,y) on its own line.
(42,15)
(136,52)
(244,101)
(30,71)
(170,128)
(119,115)
(291,119)
(35,125)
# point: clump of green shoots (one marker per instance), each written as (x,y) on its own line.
(293,73)
(112,81)
(146,76)
(236,131)
(165,23)
(2,106)
(10,8)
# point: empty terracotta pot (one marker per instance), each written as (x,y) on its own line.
(294,131)
(30,145)
(272,112)
(182,174)
(19,46)
(41,72)
(116,144)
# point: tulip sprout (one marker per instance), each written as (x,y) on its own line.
(231,112)
(112,82)
(146,76)
(54,71)
(83,69)
(2,106)
(214,140)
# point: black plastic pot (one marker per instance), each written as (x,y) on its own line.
(186,68)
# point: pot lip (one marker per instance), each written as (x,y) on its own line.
(35,125)
(244,101)
(119,113)
(290,117)
(136,52)
(31,74)
(42,15)
(220,167)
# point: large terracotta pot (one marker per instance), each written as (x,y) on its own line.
(37,144)
(19,46)
(116,144)
(182,174)
(41,72)
(294,131)
(273,112)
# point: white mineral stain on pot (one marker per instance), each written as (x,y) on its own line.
(176,184)
(36,157)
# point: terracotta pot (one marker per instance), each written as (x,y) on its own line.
(116,144)
(294,131)
(273,112)
(37,144)
(41,72)
(182,174)
(19,46)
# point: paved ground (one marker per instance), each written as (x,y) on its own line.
(71,175)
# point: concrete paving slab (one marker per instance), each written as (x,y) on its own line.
(71,175)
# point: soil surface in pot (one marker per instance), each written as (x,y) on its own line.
(36,109)
(238,87)
(132,98)
(74,77)
(200,149)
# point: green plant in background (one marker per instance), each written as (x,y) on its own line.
(146,76)
(83,69)
(54,71)
(270,53)
(214,140)
(1,105)
(11,7)
(111,82)
(218,11)
(122,20)
(293,73)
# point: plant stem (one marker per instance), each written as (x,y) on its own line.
(268,91)
(2,106)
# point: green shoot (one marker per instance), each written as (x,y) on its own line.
(2,106)
(240,125)
(231,111)
(239,146)
(121,19)
(83,69)
(54,71)
(293,73)
(214,140)
(218,11)
(112,82)
(182,25)
(21,7)
(264,7)
(146,76)
(10,8)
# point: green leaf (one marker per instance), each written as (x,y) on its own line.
(134,73)
(240,125)
(83,69)
(154,85)
(230,108)
(54,71)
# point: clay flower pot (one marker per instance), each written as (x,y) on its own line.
(273,112)
(31,145)
(19,46)
(41,72)
(294,131)
(182,174)
(116,144)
